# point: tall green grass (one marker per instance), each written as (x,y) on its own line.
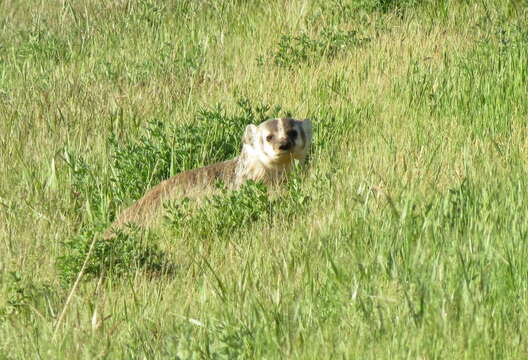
(404,237)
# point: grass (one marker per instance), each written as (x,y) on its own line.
(405,237)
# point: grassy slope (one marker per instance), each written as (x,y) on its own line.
(430,111)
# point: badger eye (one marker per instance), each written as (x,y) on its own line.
(292,134)
(269,137)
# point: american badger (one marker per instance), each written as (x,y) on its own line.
(267,155)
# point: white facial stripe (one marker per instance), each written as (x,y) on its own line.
(280,127)
(264,149)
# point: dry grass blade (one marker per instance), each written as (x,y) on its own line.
(74,287)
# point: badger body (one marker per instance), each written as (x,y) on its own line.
(268,154)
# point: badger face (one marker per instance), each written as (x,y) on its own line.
(279,141)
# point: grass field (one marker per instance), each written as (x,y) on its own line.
(406,237)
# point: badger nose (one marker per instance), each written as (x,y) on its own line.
(285,146)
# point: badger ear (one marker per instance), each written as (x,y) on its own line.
(250,135)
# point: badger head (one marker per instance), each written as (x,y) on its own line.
(277,142)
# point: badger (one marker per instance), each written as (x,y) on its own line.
(268,153)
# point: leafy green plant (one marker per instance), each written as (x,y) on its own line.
(335,13)
(25,296)
(122,255)
(343,9)
(87,191)
(224,213)
(386,5)
(137,164)
(42,44)
(293,50)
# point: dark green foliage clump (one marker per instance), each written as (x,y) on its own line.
(86,190)
(383,5)
(122,255)
(223,213)
(23,294)
(229,211)
(344,10)
(294,50)
(137,164)
(43,44)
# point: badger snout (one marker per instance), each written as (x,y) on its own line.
(285,145)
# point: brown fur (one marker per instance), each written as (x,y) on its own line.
(231,172)
(182,184)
